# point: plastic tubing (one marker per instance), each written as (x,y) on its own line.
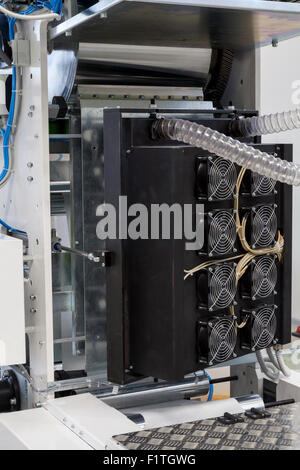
(284,369)
(19,16)
(268,370)
(268,124)
(272,358)
(226,147)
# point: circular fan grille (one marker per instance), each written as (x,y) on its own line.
(222,179)
(222,233)
(264,276)
(222,340)
(264,327)
(264,226)
(261,185)
(222,286)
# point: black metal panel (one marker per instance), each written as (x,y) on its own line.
(153,315)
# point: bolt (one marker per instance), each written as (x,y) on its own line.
(30,114)
(30,164)
(32,297)
(274,42)
(33,310)
(29,178)
(103,14)
(32,107)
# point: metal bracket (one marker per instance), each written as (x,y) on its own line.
(228,418)
(21,52)
(256,413)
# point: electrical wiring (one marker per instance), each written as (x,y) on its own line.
(211,387)
(11,229)
(241,228)
(241,325)
(191,272)
(7,134)
(42,16)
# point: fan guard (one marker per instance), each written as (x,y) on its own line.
(263,327)
(222,286)
(262,185)
(264,276)
(221,179)
(222,233)
(222,340)
(264,226)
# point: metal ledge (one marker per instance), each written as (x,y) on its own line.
(236,24)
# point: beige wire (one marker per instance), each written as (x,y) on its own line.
(246,259)
(190,272)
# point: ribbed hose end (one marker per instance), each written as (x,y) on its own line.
(157,130)
(237,128)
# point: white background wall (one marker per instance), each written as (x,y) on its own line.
(278,67)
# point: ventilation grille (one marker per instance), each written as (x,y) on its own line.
(264,277)
(261,185)
(222,286)
(221,179)
(222,233)
(264,226)
(263,327)
(222,340)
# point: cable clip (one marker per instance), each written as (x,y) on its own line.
(228,419)
(257,413)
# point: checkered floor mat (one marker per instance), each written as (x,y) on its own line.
(279,432)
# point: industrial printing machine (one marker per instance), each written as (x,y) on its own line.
(146,229)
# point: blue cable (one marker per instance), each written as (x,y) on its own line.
(211,387)
(56,7)
(11,229)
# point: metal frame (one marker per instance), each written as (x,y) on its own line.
(101,8)
(25,203)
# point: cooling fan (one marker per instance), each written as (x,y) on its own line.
(260,279)
(220,233)
(264,277)
(261,185)
(216,178)
(263,226)
(261,328)
(216,340)
(217,286)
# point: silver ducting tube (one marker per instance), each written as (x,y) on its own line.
(226,147)
(268,369)
(282,367)
(268,124)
